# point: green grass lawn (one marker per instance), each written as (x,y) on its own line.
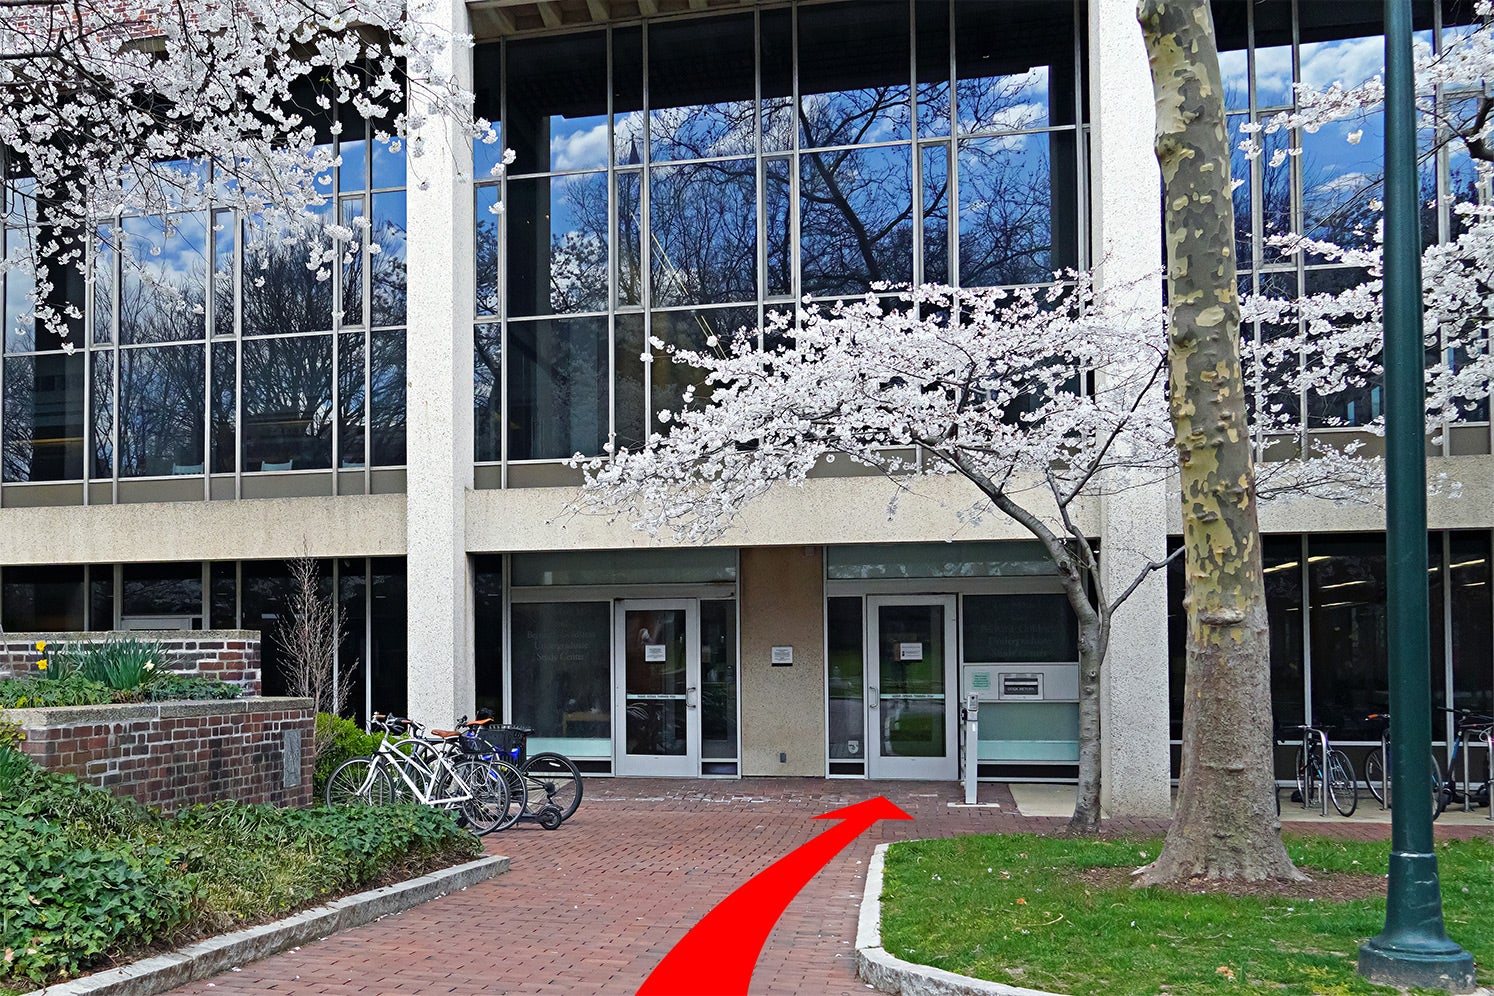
(1043,913)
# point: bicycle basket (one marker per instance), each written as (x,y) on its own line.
(507,741)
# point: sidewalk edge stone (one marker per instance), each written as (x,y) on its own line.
(216,955)
(890,974)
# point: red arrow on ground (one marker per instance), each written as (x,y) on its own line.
(717,956)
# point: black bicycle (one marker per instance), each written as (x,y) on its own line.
(1377,768)
(552,783)
(1322,769)
(1470,728)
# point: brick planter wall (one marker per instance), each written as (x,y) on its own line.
(176,754)
(228,654)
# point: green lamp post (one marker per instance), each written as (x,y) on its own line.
(1413,949)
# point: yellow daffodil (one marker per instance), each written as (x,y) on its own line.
(41,645)
(41,665)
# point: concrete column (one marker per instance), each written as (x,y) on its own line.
(1125,186)
(439,401)
(783,708)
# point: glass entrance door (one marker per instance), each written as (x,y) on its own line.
(656,669)
(911,686)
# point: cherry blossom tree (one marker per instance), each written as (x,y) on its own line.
(166,107)
(1041,398)
(1339,334)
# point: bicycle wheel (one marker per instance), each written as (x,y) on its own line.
(1343,787)
(1304,779)
(1374,773)
(1439,790)
(556,780)
(488,804)
(513,783)
(359,781)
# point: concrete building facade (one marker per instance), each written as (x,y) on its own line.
(682,169)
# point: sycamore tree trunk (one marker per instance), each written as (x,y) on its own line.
(1225,826)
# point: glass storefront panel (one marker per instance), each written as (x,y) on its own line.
(557,405)
(163,590)
(42,598)
(562,675)
(1472,612)
(718,679)
(688,565)
(844,640)
(487,631)
(866,561)
(1015,628)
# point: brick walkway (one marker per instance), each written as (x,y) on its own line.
(592,907)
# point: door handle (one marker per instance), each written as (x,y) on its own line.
(871,698)
(691,701)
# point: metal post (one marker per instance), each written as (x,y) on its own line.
(1413,949)
(972,746)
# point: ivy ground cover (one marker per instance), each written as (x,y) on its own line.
(88,880)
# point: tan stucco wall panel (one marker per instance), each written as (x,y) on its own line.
(252,529)
(783,708)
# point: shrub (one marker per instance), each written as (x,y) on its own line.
(123,665)
(70,689)
(171,686)
(338,739)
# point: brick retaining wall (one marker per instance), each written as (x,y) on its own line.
(229,654)
(176,754)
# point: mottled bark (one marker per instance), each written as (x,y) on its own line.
(1225,826)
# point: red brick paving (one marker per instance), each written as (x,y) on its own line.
(591,908)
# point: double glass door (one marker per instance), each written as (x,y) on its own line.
(657,687)
(911,688)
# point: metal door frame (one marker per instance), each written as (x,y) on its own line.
(656,765)
(944,768)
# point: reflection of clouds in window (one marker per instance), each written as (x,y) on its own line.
(1004,103)
(1234,70)
(1340,178)
(856,117)
(1349,61)
(165,271)
(581,146)
(1273,76)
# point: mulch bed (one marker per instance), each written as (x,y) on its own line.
(1325,886)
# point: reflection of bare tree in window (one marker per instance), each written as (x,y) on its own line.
(1007,204)
(487,374)
(856,218)
(703,223)
(386,411)
(281,294)
(287,403)
(161,410)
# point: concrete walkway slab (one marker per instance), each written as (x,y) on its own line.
(591,908)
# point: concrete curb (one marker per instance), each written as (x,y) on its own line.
(218,954)
(893,975)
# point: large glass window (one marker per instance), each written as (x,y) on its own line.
(718,681)
(562,674)
(814,153)
(1327,182)
(42,598)
(205,354)
(845,643)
